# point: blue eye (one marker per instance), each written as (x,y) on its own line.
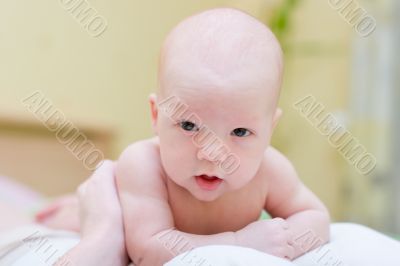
(240,132)
(188,126)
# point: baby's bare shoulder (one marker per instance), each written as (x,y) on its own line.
(139,166)
(276,164)
(278,173)
(147,147)
(143,194)
(286,194)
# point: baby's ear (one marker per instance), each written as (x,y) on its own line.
(154,111)
(276,117)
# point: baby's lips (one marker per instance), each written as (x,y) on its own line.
(210,176)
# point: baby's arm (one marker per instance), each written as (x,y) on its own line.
(290,199)
(151,238)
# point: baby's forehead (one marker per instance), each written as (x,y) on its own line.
(226,103)
(238,89)
(218,46)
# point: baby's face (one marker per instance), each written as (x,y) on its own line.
(237,111)
(224,68)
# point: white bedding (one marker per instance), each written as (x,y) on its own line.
(226,255)
(351,245)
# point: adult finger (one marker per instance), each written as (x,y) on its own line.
(105,170)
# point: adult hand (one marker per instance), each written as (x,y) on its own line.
(102,232)
(62,214)
(100,210)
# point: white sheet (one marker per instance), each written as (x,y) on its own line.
(350,245)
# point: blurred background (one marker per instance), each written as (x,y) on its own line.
(101,85)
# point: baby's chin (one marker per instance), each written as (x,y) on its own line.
(207,195)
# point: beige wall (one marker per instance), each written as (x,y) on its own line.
(106,80)
(317,63)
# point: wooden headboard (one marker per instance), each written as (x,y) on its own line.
(32,154)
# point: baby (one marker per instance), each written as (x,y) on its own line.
(210,171)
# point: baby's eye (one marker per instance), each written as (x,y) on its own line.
(240,132)
(188,126)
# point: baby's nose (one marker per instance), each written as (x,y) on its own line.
(203,155)
(210,152)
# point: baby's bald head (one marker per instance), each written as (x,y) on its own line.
(223,69)
(221,49)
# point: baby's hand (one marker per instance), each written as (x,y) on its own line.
(269,236)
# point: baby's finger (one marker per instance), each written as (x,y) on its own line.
(283,223)
(81,189)
(290,237)
(291,252)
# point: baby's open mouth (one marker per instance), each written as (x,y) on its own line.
(208,182)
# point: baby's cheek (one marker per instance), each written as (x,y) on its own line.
(243,174)
(237,179)
(177,161)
